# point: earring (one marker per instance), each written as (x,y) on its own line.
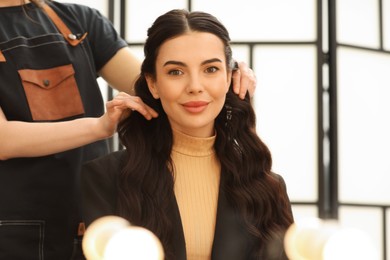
(228,115)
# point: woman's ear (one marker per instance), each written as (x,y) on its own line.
(152,86)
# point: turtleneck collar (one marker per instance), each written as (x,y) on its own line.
(193,146)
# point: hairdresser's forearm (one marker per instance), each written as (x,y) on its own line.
(22,139)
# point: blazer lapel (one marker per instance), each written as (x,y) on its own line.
(179,245)
(231,240)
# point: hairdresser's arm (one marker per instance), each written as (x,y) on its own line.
(24,139)
(122,70)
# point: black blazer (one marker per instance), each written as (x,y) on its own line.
(231,239)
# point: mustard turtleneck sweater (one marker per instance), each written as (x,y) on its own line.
(197,175)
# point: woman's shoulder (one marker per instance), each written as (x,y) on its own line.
(106,166)
(276,176)
(280,180)
(114,158)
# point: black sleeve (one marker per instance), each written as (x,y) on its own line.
(98,187)
(104,40)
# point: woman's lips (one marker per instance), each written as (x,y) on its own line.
(195,106)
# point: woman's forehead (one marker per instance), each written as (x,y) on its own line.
(192,45)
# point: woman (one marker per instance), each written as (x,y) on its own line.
(198,176)
(51,118)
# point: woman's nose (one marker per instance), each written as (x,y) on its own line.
(195,84)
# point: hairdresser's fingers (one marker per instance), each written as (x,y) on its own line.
(135,103)
(116,110)
(236,77)
(244,80)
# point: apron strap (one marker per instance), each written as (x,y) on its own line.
(61,26)
(71,38)
(2,58)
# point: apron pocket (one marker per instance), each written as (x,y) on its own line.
(21,239)
(52,94)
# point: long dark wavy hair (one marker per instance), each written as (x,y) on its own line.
(146,182)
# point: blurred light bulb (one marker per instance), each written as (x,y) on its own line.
(314,239)
(304,239)
(349,243)
(134,243)
(98,234)
(113,238)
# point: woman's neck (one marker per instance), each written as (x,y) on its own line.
(193,146)
(8,3)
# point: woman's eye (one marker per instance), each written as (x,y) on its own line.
(175,72)
(211,69)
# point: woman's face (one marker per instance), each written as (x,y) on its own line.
(191,81)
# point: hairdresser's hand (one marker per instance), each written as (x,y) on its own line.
(120,107)
(244,80)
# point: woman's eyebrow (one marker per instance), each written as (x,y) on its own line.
(174,62)
(211,61)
